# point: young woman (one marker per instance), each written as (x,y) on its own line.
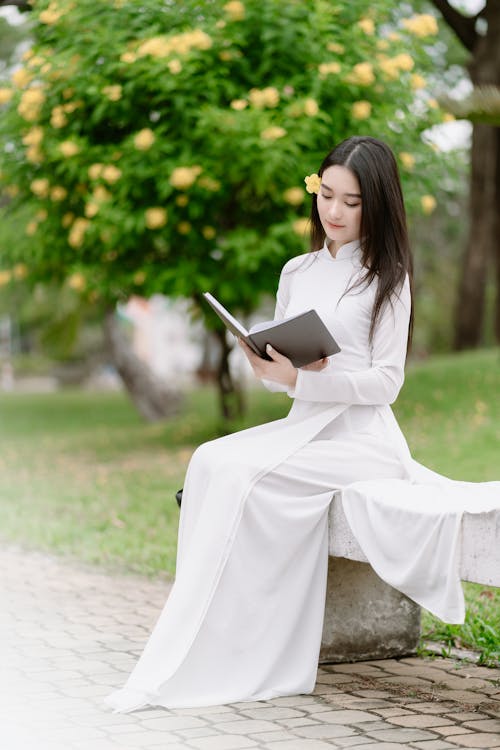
(244,618)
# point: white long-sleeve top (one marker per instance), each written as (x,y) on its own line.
(363,372)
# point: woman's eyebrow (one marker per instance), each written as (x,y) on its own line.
(347,195)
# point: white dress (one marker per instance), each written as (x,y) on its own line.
(244,618)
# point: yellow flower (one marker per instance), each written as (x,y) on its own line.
(144,139)
(184,227)
(273,133)
(95,171)
(58,117)
(34,155)
(313,182)
(382,44)
(50,16)
(111,173)
(404,61)
(267,97)
(101,194)
(175,66)
(20,271)
(235,10)
(5,95)
(58,193)
(40,187)
(417,82)
(183,177)
(42,214)
(21,77)
(421,25)
(113,93)
(361,110)
(182,200)
(300,226)
(77,232)
(294,195)
(77,282)
(432,103)
(407,160)
(362,73)
(428,203)
(239,104)
(67,220)
(448,117)
(128,57)
(69,148)
(328,68)
(139,277)
(34,136)
(91,209)
(367,25)
(208,233)
(5,277)
(28,54)
(31,103)
(156,217)
(311,108)
(208,183)
(71,106)
(31,228)
(339,49)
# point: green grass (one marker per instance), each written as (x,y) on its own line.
(82,475)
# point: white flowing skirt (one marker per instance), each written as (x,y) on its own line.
(244,618)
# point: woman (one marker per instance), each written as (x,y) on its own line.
(244,617)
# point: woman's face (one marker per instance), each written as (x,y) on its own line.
(339,206)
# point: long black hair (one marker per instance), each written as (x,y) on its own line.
(385,246)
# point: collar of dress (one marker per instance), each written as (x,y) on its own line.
(348,251)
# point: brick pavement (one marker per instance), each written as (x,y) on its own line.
(69,635)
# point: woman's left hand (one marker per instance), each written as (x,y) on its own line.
(279,369)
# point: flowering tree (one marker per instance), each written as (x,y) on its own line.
(162,147)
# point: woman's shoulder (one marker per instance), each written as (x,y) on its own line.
(299,261)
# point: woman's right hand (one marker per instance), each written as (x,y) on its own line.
(320,364)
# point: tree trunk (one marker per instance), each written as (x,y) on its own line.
(230,392)
(496,233)
(152,397)
(482,245)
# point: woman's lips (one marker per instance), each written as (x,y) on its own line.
(335,226)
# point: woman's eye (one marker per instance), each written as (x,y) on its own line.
(353,205)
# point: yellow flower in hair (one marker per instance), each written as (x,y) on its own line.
(313,182)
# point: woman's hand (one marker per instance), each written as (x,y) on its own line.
(279,369)
(320,364)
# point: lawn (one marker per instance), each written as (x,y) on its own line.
(82,475)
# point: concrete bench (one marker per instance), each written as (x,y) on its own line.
(365,618)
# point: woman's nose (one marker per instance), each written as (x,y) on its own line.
(335,209)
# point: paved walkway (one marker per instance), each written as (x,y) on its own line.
(69,635)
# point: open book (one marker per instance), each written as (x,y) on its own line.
(302,338)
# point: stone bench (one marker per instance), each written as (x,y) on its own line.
(365,618)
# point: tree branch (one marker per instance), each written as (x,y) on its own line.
(19,4)
(463,26)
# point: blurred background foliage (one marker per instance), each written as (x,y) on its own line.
(151,147)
